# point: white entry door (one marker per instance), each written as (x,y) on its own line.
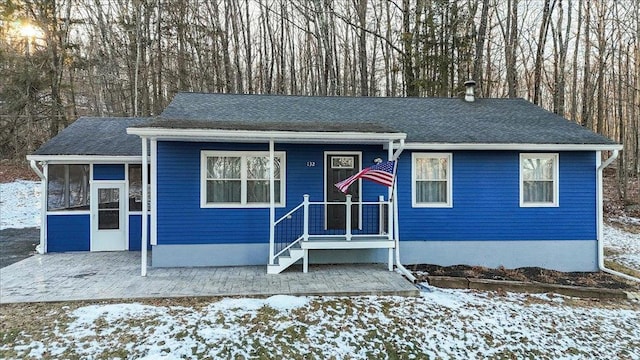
(107,217)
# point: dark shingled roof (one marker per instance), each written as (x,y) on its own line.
(424,120)
(311,126)
(96,136)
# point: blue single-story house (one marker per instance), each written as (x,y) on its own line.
(222,179)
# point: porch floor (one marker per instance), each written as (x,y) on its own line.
(116,275)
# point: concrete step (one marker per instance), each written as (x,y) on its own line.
(284,261)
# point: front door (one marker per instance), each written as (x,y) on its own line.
(340,166)
(107,217)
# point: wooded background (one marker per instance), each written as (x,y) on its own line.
(579,59)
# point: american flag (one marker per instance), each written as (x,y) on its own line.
(382,174)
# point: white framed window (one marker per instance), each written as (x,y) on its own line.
(68,187)
(538,180)
(134,177)
(431,184)
(240,179)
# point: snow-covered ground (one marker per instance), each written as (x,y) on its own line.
(20,204)
(624,247)
(447,324)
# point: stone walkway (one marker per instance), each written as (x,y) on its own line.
(94,276)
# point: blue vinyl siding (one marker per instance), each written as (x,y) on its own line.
(68,233)
(182,221)
(486,202)
(108,172)
(135,232)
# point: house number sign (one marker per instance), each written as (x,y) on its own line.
(311,163)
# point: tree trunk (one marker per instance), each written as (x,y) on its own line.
(479,58)
(574,80)
(586,75)
(547,10)
(361,9)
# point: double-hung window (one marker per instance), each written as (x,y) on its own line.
(538,180)
(240,179)
(431,180)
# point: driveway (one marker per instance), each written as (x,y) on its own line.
(17,244)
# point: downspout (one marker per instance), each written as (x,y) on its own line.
(396,229)
(601,265)
(42,247)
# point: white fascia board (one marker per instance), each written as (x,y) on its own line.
(252,136)
(78,159)
(521,147)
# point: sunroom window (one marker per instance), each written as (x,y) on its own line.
(135,187)
(431,183)
(67,187)
(240,179)
(539,179)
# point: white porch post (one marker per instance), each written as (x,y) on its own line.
(390,208)
(272,203)
(348,219)
(381,217)
(305,220)
(390,196)
(145,197)
(153,236)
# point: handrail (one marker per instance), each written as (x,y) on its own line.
(288,214)
(288,247)
(352,203)
(276,251)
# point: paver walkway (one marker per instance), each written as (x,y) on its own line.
(93,276)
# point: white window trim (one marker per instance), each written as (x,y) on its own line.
(64,211)
(204,154)
(449,157)
(556,179)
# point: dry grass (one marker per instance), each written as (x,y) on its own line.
(621,268)
(12,170)
(447,325)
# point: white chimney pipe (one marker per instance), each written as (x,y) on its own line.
(469,94)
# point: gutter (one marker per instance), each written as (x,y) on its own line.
(347,137)
(396,229)
(42,247)
(511,146)
(600,211)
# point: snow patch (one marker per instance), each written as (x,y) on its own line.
(20,204)
(281,303)
(286,303)
(624,245)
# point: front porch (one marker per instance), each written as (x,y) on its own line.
(241,180)
(335,225)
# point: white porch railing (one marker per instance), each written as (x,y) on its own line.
(310,219)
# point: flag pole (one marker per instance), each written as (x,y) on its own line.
(395,169)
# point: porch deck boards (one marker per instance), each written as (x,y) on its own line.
(340,242)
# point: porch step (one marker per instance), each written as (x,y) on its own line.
(369,242)
(284,261)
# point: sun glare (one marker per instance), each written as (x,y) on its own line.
(29,31)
